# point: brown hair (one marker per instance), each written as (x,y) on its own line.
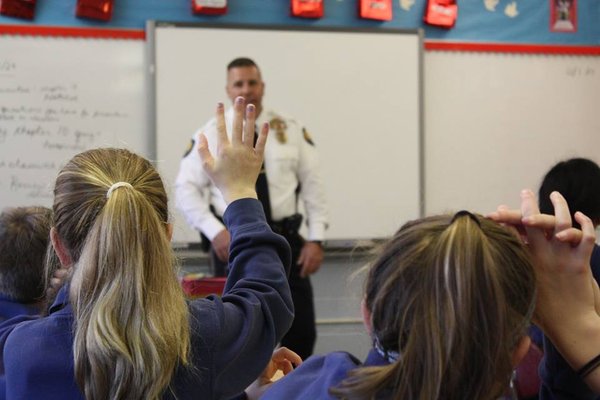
(131,328)
(453,297)
(24,237)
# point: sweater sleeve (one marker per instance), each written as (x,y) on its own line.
(256,308)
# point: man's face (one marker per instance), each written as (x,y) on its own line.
(246,82)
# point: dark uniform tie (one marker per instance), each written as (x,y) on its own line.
(262,187)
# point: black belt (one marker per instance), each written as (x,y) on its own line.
(287,226)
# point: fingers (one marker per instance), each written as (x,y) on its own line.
(249,127)
(529,205)
(542,221)
(561,212)
(238,120)
(529,208)
(589,233)
(286,359)
(204,152)
(262,139)
(571,235)
(222,138)
(505,216)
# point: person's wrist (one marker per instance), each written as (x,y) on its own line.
(237,194)
(318,242)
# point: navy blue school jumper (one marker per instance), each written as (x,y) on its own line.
(10,308)
(232,337)
(317,374)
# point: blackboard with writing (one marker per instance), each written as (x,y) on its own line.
(61,96)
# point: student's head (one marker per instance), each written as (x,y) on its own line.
(24,237)
(449,298)
(578,180)
(111,226)
(244,79)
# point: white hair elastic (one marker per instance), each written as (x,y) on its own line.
(116,186)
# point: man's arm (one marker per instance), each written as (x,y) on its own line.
(313,195)
(192,196)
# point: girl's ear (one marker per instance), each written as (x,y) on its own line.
(366,315)
(520,350)
(60,249)
(170,231)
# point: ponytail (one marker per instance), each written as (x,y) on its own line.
(452,297)
(131,319)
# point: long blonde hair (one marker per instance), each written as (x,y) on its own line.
(131,319)
(451,297)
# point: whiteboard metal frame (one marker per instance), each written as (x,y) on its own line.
(153,25)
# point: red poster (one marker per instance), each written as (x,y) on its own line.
(375,9)
(18,8)
(563,15)
(441,13)
(210,7)
(307,8)
(95,9)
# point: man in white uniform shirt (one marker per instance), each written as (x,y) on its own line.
(291,172)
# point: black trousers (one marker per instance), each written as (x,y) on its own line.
(302,335)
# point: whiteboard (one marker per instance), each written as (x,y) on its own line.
(358,92)
(60,96)
(496,123)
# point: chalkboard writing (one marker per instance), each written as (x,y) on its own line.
(59,97)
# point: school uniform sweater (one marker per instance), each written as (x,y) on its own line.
(232,337)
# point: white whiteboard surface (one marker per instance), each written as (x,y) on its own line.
(357,92)
(60,96)
(496,123)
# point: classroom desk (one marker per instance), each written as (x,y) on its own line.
(338,290)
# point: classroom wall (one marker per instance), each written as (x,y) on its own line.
(515,21)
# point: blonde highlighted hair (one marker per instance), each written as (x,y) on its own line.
(452,296)
(131,319)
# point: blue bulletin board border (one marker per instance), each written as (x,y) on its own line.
(485,21)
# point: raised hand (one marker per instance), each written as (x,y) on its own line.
(561,255)
(236,165)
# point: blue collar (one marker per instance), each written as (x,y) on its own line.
(375,359)
(61,301)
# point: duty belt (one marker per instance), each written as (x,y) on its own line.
(287,226)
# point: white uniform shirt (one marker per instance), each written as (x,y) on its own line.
(290,159)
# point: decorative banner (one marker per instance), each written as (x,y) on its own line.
(95,9)
(307,8)
(441,13)
(375,9)
(209,7)
(18,8)
(563,15)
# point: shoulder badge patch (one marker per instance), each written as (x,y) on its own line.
(279,126)
(189,149)
(307,137)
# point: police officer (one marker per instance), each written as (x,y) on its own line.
(291,172)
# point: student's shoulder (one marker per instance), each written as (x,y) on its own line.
(314,377)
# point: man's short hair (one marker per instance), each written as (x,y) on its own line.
(24,238)
(578,180)
(242,62)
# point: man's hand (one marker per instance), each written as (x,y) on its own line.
(220,245)
(311,257)
(236,165)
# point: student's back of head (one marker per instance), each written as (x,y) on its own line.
(111,221)
(24,237)
(450,300)
(578,180)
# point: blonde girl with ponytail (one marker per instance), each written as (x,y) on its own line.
(121,327)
